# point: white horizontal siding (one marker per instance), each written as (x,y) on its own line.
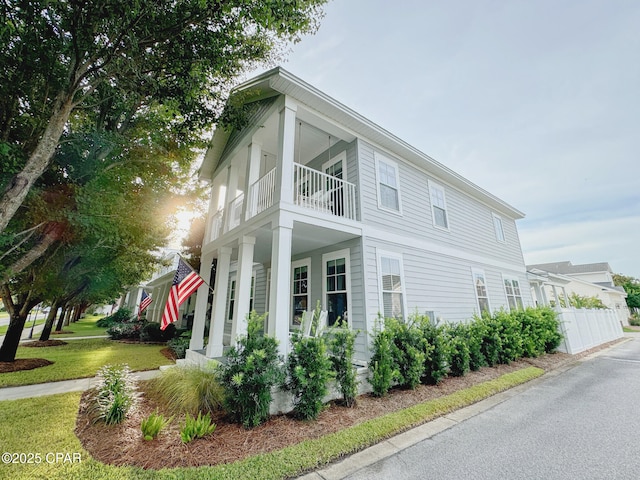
(470,221)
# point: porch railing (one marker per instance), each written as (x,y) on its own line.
(235,211)
(323,193)
(216,225)
(261,194)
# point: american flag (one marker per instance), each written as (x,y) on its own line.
(185,282)
(145,301)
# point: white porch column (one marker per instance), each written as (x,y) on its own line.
(252,176)
(286,151)
(566,297)
(243,289)
(230,194)
(200,313)
(280,294)
(216,329)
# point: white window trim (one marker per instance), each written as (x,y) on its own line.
(504,288)
(397,256)
(494,217)
(432,187)
(304,262)
(341,156)
(346,254)
(479,271)
(381,158)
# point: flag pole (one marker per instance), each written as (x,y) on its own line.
(193,270)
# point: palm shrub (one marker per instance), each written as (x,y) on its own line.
(252,369)
(190,388)
(382,369)
(458,349)
(308,371)
(408,350)
(153,424)
(342,342)
(197,427)
(115,393)
(435,347)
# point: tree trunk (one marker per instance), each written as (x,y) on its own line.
(18,314)
(52,233)
(67,317)
(38,161)
(12,338)
(48,325)
(63,314)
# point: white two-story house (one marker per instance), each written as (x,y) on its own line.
(312,202)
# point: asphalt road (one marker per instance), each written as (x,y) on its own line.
(582,424)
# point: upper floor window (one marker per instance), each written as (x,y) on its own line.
(391,285)
(512,290)
(388,183)
(480,285)
(438,206)
(498,227)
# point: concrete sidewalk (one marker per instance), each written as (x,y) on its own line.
(51,388)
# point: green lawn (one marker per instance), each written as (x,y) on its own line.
(83,358)
(85,327)
(44,425)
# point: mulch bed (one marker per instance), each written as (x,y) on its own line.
(123,444)
(62,332)
(23,364)
(45,343)
(170,354)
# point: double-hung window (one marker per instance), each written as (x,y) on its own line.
(391,285)
(301,291)
(438,206)
(512,290)
(498,227)
(388,183)
(480,285)
(337,284)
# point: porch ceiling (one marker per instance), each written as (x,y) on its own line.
(306,238)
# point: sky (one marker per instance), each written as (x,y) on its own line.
(537,102)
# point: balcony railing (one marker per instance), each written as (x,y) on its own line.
(235,211)
(216,225)
(261,194)
(323,193)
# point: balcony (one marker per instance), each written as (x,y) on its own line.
(312,189)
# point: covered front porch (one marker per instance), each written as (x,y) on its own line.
(282,267)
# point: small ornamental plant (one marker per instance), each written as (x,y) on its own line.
(342,348)
(198,427)
(115,393)
(153,424)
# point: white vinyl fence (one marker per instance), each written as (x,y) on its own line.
(587,328)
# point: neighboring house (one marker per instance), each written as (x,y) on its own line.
(158,287)
(311,202)
(549,280)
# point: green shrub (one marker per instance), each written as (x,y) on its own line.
(190,389)
(252,369)
(179,345)
(475,336)
(634,320)
(153,424)
(510,336)
(408,350)
(382,367)
(308,371)
(150,332)
(120,316)
(491,340)
(435,360)
(198,427)
(550,329)
(115,393)
(342,342)
(458,349)
(128,330)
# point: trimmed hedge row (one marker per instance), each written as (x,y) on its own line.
(418,351)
